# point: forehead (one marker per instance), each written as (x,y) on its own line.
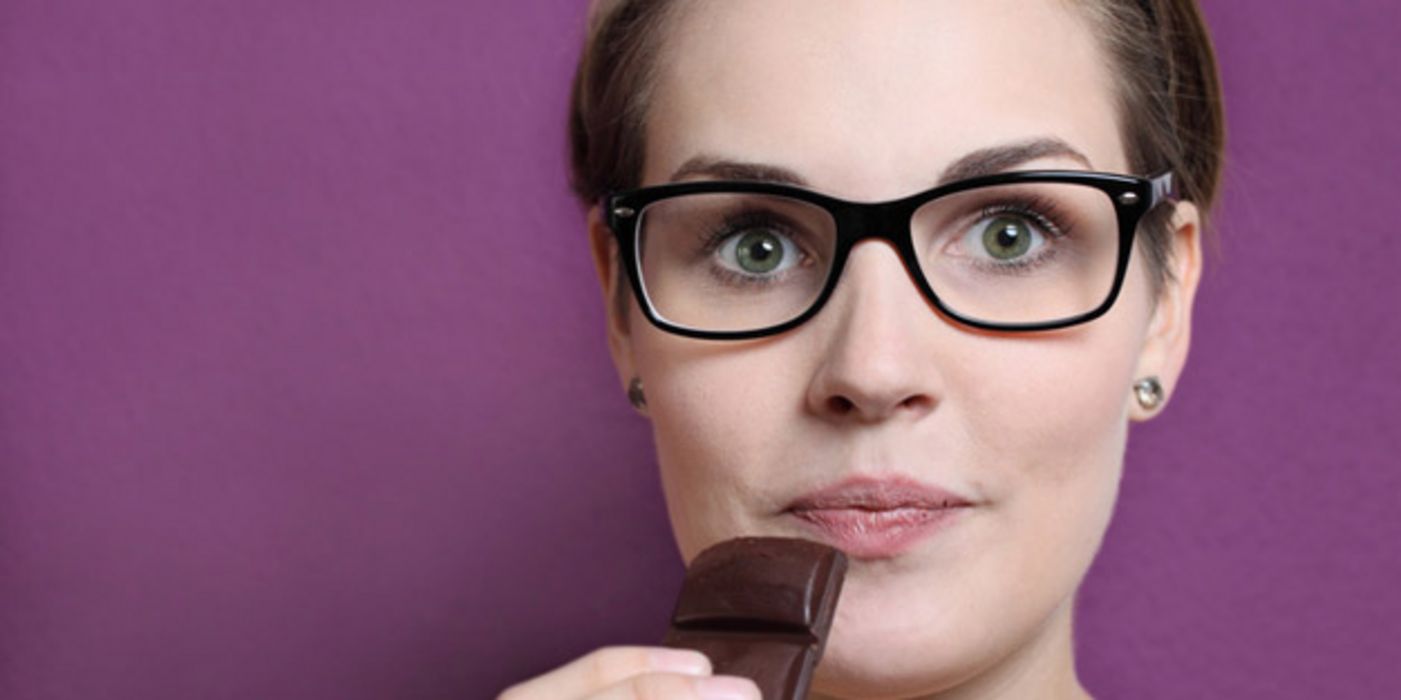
(870,100)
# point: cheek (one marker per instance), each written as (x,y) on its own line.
(1048,418)
(721,419)
(1055,403)
(1042,398)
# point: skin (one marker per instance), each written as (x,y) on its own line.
(870,101)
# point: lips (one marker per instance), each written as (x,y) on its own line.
(867,493)
(878,518)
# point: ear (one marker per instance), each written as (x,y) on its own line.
(1170,330)
(616,302)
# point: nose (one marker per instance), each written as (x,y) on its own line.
(877,337)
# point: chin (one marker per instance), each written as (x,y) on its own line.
(879,661)
(895,644)
(878,673)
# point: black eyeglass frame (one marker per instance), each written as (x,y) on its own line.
(1132,196)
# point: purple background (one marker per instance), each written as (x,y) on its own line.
(304,390)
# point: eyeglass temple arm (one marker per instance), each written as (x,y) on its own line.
(1164,188)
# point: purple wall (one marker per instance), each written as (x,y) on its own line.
(304,391)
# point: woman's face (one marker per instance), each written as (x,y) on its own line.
(872,101)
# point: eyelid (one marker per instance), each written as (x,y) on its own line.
(778,222)
(1044,220)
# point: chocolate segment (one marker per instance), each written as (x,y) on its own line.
(760,607)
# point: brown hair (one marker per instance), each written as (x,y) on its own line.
(1169,100)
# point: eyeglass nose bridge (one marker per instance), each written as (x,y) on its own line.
(888,221)
(883,221)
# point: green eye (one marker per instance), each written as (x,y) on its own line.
(759,252)
(1006,238)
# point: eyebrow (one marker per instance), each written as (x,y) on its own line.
(984,161)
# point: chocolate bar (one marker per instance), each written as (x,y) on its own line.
(760,607)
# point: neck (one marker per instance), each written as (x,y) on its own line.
(1043,668)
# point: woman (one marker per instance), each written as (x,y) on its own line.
(940,383)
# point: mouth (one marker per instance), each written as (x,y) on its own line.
(878,518)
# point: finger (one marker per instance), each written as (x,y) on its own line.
(668,686)
(607,667)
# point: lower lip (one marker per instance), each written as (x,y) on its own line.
(877,534)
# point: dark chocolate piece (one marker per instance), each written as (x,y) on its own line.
(760,607)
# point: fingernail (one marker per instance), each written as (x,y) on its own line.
(727,688)
(684,661)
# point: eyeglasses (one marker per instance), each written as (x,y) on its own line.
(1017,251)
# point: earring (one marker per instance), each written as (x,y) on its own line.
(1149,392)
(635,395)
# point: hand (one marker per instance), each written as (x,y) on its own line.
(635,673)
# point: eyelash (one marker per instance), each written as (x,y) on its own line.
(735,224)
(1042,212)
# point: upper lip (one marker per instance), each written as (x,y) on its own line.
(869,493)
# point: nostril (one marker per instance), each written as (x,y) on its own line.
(840,406)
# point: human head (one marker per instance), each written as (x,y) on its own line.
(1031,428)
